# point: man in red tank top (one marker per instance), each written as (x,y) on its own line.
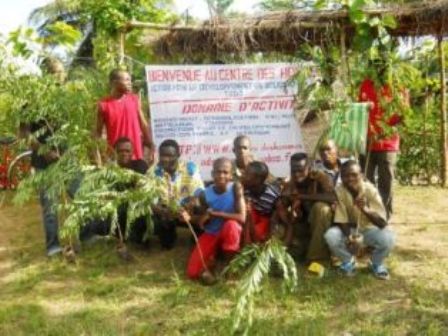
(121,114)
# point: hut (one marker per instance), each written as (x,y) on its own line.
(285,31)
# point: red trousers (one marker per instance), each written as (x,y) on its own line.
(260,230)
(228,240)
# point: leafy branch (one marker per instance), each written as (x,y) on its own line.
(105,191)
(255,262)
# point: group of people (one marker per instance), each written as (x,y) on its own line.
(324,212)
(324,207)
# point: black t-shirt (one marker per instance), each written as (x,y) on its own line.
(139,166)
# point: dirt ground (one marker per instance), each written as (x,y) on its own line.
(101,295)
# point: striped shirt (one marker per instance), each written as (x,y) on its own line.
(264,203)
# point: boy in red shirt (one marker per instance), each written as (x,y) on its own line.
(261,198)
(121,115)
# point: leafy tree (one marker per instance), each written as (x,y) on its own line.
(67,109)
(99,22)
(68,12)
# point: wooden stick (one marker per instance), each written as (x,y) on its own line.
(195,237)
(345,74)
(425,114)
(120,234)
(443,118)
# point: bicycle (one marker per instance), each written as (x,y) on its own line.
(13,167)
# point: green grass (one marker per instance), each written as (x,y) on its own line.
(101,295)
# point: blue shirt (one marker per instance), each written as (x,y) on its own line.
(224,202)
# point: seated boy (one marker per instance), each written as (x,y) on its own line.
(305,209)
(182,180)
(261,199)
(123,149)
(226,211)
(359,210)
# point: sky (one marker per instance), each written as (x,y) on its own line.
(15,12)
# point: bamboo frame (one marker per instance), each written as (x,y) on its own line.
(345,67)
(443,117)
(200,28)
(122,40)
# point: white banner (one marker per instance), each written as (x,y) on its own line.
(204,107)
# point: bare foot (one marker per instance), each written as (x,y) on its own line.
(69,254)
(123,253)
(207,278)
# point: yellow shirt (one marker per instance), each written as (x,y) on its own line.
(347,212)
(185,182)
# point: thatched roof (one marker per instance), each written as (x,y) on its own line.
(284,31)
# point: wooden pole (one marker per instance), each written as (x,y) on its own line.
(215,25)
(345,75)
(122,38)
(425,135)
(443,119)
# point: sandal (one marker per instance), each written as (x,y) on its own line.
(348,268)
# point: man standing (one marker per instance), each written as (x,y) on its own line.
(383,144)
(182,180)
(360,216)
(121,115)
(39,134)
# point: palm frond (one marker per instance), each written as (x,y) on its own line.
(256,261)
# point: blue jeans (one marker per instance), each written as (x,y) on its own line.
(50,220)
(382,241)
(50,215)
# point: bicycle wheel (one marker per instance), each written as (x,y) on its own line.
(6,141)
(19,168)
